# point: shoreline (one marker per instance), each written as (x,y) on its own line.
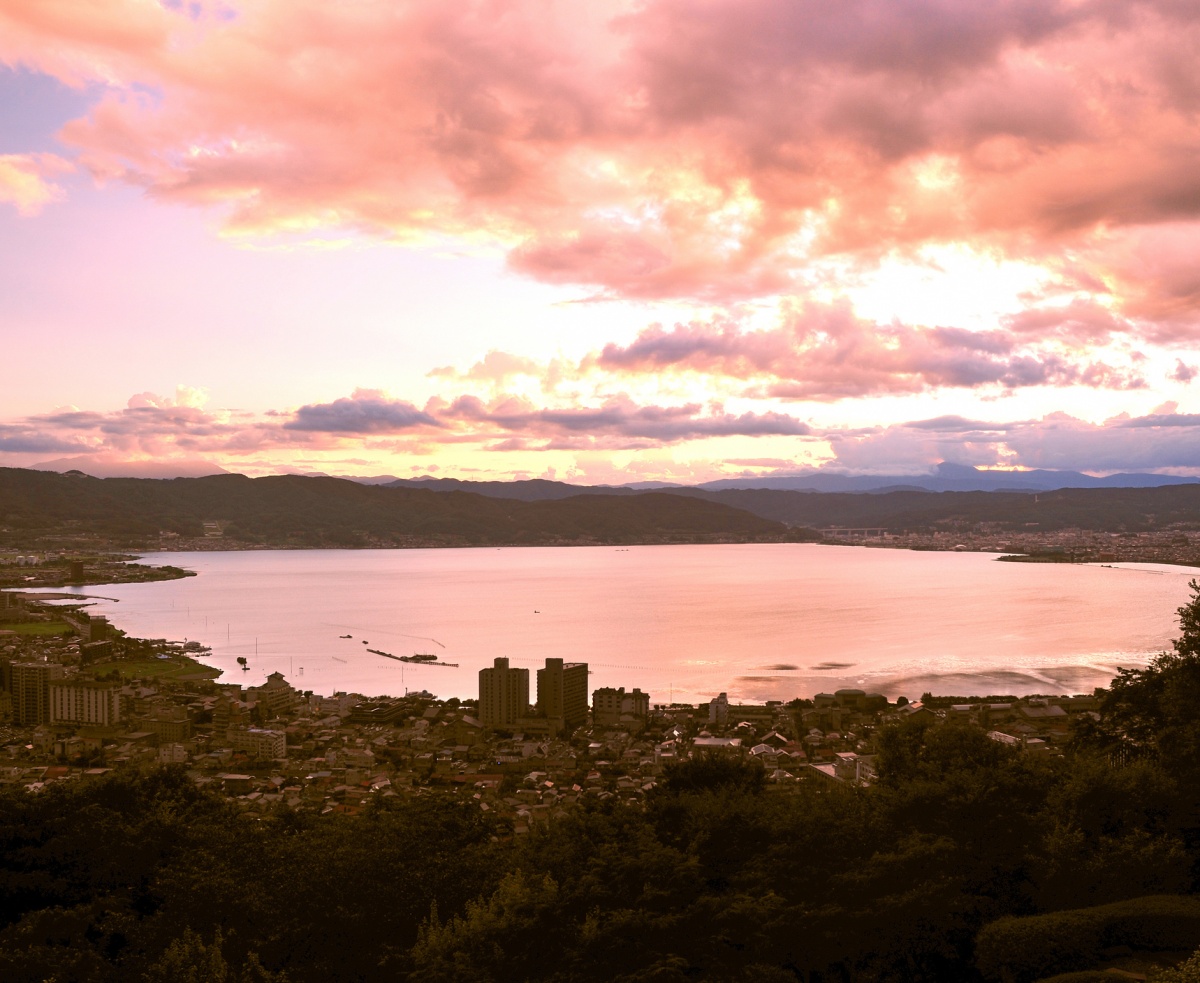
(1038,675)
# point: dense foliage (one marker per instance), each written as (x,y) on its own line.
(144,877)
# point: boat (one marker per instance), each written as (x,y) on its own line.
(345,636)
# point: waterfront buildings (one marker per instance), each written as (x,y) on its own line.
(275,697)
(503,694)
(562,690)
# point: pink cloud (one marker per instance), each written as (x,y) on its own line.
(365,412)
(826,352)
(1164,442)
(495,367)
(374,423)
(619,418)
(660,149)
(25,181)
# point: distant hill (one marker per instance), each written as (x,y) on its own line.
(950,477)
(528,490)
(292,510)
(946,477)
(102,467)
(913,509)
(1099,509)
(295,510)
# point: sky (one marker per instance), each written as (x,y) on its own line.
(600,242)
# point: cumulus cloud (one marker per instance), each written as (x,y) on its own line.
(1161,441)
(1183,373)
(666,148)
(185,396)
(619,418)
(376,423)
(367,411)
(25,181)
(496,367)
(17,439)
(826,352)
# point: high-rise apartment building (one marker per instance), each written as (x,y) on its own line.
(718,710)
(85,702)
(31,691)
(562,692)
(503,694)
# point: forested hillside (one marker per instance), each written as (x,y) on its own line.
(289,510)
(912,510)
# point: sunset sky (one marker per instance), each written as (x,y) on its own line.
(602,242)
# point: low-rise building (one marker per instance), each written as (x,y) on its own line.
(611,707)
(258,743)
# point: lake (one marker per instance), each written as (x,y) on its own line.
(760,622)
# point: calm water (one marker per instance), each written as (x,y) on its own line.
(760,621)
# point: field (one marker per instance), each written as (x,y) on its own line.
(177,667)
(40,628)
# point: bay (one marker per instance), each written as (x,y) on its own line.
(760,622)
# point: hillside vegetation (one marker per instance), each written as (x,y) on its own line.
(911,510)
(290,510)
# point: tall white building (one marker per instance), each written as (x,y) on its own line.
(85,702)
(503,694)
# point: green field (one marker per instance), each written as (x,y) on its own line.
(40,628)
(175,668)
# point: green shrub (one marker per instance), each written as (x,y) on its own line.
(1022,950)
(1187,971)
(1155,923)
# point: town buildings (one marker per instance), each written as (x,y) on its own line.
(562,689)
(503,694)
(611,706)
(85,701)
(271,746)
(30,687)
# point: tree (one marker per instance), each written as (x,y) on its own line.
(1186,972)
(1153,710)
(710,772)
(1188,643)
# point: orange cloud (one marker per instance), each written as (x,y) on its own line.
(25,180)
(662,149)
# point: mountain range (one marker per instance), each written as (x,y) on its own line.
(946,476)
(231,510)
(294,510)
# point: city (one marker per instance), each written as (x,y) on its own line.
(73,706)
